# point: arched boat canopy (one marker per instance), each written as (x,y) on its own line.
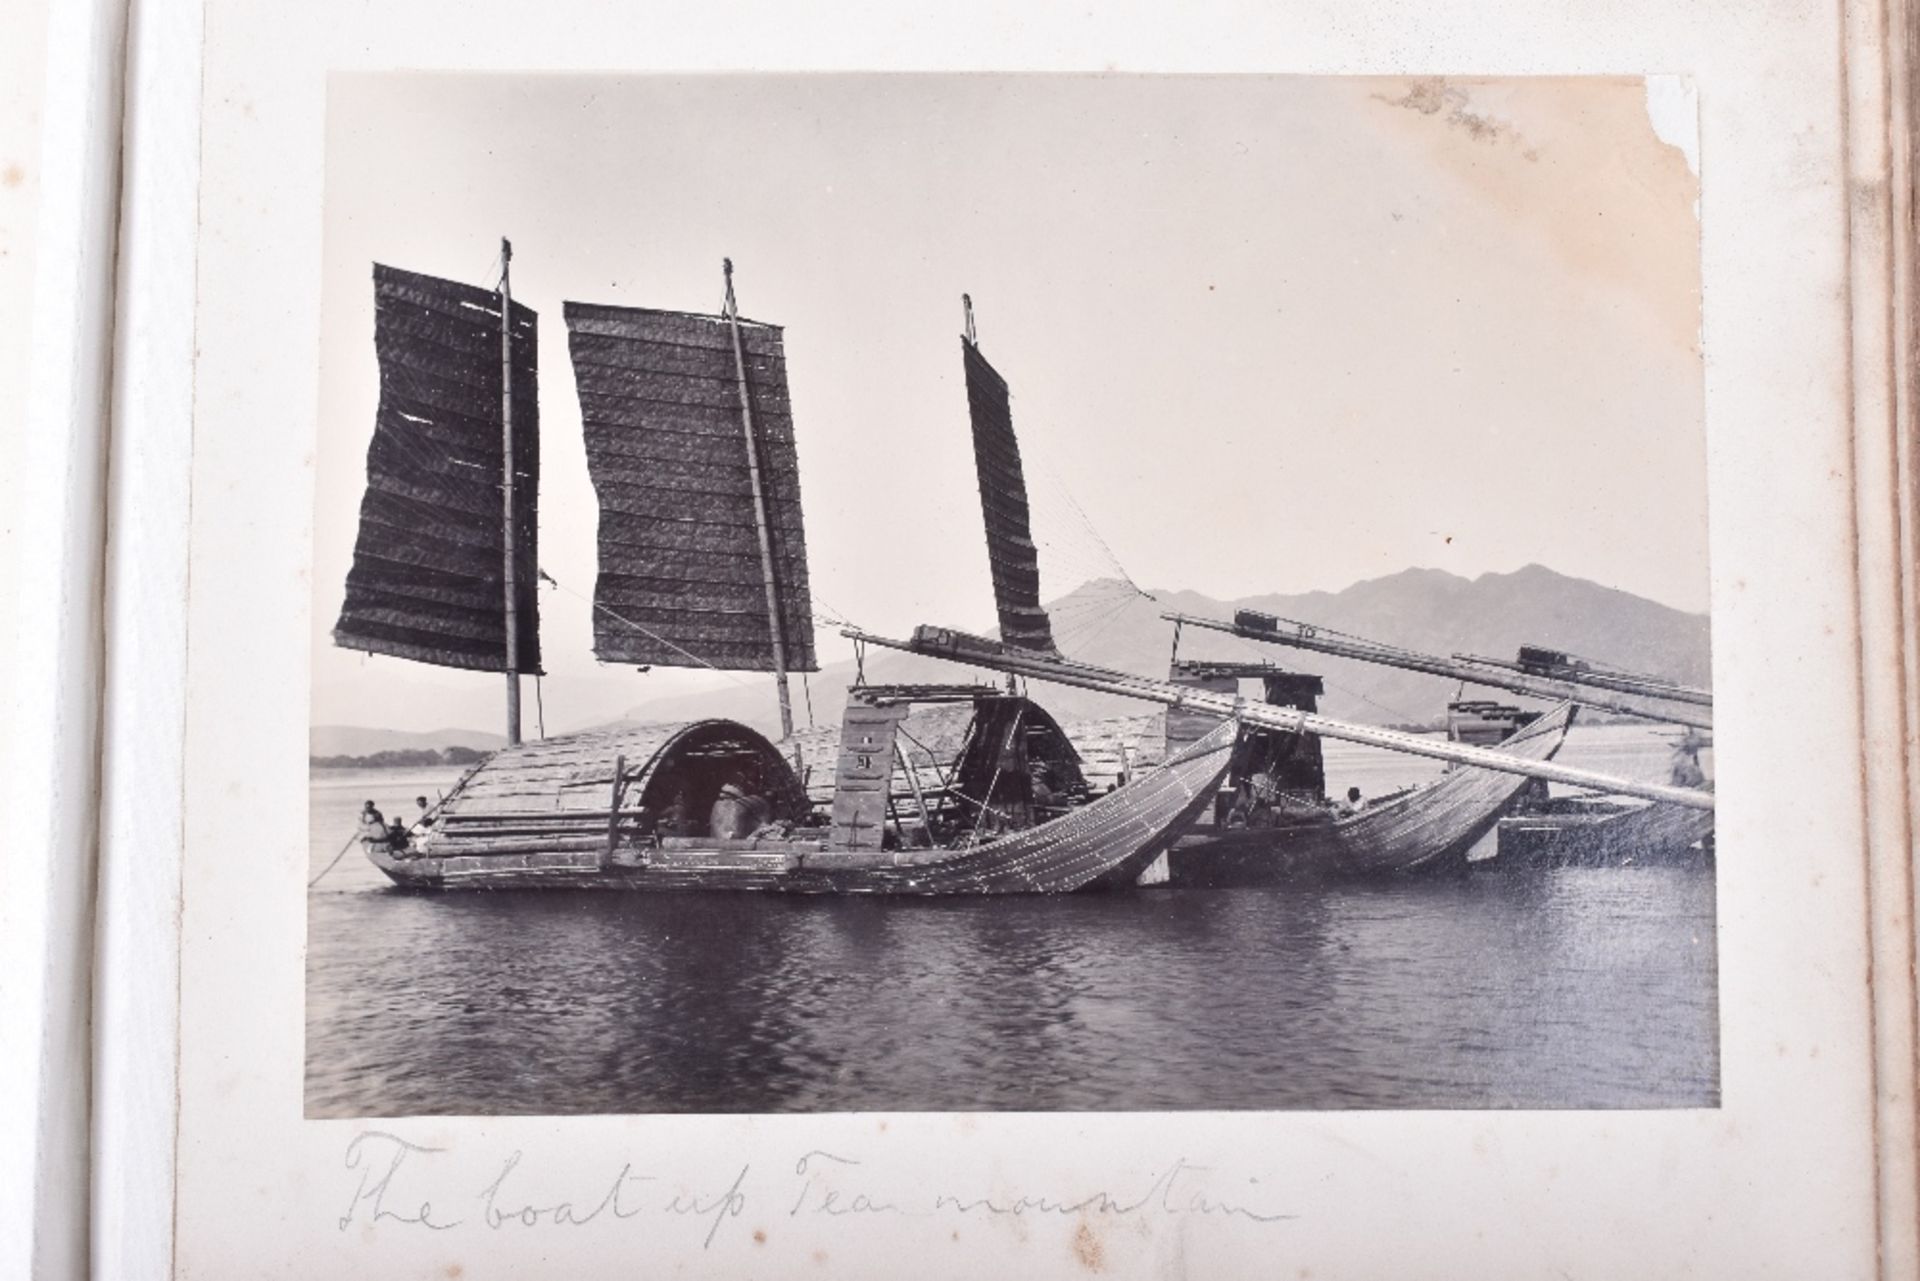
(1010,732)
(692,765)
(674,772)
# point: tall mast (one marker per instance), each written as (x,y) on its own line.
(760,522)
(509,542)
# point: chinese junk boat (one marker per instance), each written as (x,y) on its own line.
(1542,830)
(1579,832)
(702,555)
(1585,831)
(1272,821)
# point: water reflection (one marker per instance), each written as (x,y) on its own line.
(1574,988)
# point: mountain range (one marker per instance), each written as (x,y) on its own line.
(1113,625)
(355,740)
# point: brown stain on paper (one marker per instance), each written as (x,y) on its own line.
(1088,1250)
(1575,165)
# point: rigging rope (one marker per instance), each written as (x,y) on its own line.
(650,634)
(1102,559)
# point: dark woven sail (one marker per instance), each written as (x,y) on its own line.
(428,579)
(682,580)
(1003,501)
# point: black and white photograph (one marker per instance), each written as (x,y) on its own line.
(843,593)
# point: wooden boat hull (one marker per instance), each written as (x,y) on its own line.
(1105,843)
(1425,829)
(1646,835)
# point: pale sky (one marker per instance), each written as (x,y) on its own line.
(1269,333)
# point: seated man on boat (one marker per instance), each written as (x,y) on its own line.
(1040,779)
(373,824)
(675,817)
(736,815)
(1353,804)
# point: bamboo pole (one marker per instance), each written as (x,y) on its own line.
(1606,680)
(1300,637)
(613,813)
(509,539)
(760,520)
(913,781)
(972,650)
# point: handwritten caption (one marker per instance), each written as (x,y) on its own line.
(410,1185)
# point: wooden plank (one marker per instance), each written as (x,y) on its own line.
(613,809)
(865,763)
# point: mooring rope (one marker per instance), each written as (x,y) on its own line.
(336,859)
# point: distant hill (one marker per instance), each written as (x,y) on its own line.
(1425,609)
(352,740)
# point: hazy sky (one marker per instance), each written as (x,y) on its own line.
(1268,333)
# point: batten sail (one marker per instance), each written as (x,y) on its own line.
(428,580)
(1003,501)
(682,578)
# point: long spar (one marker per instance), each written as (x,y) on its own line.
(961,648)
(1606,680)
(1649,707)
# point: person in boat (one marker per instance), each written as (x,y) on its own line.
(420,820)
(677,815)
(1263,792)
(373,824)
(1354,802)
(1685,770)
(736,815)
(397,838)
(1040,778)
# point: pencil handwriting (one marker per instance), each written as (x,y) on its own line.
(393,1177)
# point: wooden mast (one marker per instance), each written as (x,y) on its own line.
(761,524)
(509,532)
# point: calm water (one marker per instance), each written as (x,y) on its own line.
(1570,988)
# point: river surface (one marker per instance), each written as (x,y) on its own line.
(1567,988)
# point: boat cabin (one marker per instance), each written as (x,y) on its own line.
(1014,768)
(612,789)
(716,783)
(1272,772)
(1485,723)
